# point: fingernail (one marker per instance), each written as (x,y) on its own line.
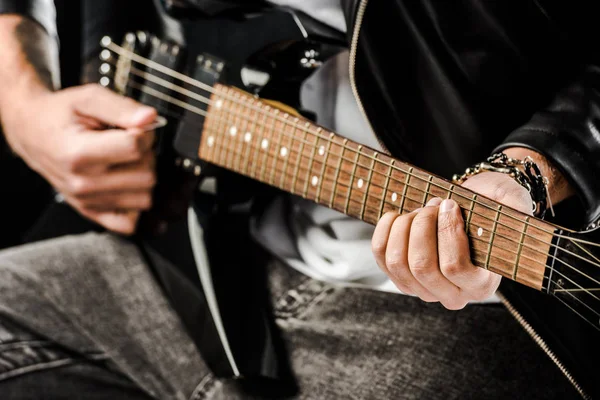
(447,205)
(434,202)
(143,115)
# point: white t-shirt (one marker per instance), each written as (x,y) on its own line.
(319,242)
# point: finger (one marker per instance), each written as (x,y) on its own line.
(135,177)
(396,259)
(108,147)
(455,258)
(111,108)
(128,201)
(117,221)
(423,259)
(380,238)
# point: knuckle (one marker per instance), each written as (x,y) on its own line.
(420,266)
(90,93)
(447,224)
(378,247)
(79,186)
(451,268)
(133,146)
(425,218)
(394,261)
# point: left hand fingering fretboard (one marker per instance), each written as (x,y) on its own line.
(248,136)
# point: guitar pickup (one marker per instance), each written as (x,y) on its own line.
(208,71)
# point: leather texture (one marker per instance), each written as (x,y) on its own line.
(42,11)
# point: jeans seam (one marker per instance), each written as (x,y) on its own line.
(298,300)
(36,367)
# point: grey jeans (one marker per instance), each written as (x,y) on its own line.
(81,317)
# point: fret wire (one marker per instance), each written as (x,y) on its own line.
(276,152)
(295,177)
(426,193)
(218,151)
(405,190)
(288,156)
(311,160)
(385,189)
(362,211)
(324,169)
(450,192)
(251,133)
(263,164)
(358,153)
(520,248)
(492,236)
(471,208)
(240,139)
(337,173)
(235,124)
(399,169)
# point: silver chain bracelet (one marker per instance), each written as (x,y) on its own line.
(530,178)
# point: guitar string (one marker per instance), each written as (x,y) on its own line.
(227,148)
(161,68)
(170,72)
(167,71)
(165,98)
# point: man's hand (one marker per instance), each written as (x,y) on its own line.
(106,174)
(426,253)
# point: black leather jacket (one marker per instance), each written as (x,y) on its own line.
(444,84)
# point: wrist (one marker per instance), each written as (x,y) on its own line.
(558,187)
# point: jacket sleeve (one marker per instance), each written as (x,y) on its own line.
(567,132)
(41,11)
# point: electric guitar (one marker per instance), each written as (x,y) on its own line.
(224,120)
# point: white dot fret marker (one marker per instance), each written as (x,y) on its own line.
(479,231)
(211,141)
(247,137)
(283,151)
(264,144)
(360,183)
(314,180)
(394,196)
(233,131)
(322,150)
(219,103)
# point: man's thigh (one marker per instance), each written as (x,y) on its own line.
(93,297)
(363,344)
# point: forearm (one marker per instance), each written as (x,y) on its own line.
(29,66)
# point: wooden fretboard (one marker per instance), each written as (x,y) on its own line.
(248,136)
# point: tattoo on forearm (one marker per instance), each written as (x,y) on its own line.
(36,45)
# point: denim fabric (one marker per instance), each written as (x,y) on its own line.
(81,317)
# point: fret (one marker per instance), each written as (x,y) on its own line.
(247,139)
(224,126)
(450,192)
(324,169)
(311,160)
(233,132)
(492,236)
(520,248)
(299,161)
(277,149)
(259,138)
(386,187)
(362,211)
(289,154)
(215,119)
(352,180)
(337,174)
(265,143)
(217,148)
(240,138)
(470,215)
(405,189)
(427,190)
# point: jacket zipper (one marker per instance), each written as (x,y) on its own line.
(520,319)
(360,13)
(542,344)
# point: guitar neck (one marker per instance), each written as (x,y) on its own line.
(248,136)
